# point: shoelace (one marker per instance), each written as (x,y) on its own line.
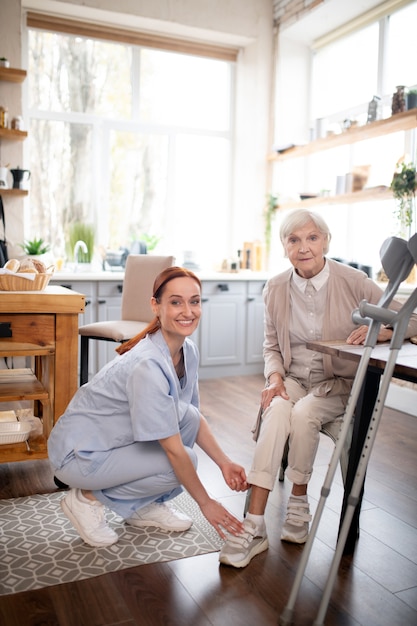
(298,513)
(167,510)
(97,514)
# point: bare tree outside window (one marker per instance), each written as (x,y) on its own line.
(105,120)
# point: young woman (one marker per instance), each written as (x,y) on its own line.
(126,439)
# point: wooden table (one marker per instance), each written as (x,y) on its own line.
(43,327)
(405,369)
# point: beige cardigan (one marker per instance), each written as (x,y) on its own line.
(346,288)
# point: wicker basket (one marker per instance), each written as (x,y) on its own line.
(14,282)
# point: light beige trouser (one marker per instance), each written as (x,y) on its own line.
(300,419)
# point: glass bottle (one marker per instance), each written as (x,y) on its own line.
(3,117)
(374,109)
(398,100)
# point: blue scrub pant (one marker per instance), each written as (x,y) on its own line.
(130,477)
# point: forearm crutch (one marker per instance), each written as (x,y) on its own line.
(397,262)
(400,322)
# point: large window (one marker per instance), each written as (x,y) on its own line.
(132,140)
(346,74)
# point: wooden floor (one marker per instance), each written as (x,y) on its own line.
(377,586)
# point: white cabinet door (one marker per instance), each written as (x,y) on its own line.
(109,301)
(255,322)
(222,323)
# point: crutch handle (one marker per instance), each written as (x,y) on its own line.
(377,313)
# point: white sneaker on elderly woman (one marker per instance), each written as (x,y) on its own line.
(296,525)
(240,549)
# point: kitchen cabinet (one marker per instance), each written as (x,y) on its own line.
(41,327)
(230,334)
(255,322)
(9,134)
(109,304)
(222,323)
(406,121)
(231,328)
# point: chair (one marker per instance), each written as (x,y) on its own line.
(136,313)
(330,429)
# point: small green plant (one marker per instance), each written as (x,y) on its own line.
(403,186)
(150,240)
(35,247)
(269,215)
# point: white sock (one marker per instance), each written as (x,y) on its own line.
(300,498)
(258,520)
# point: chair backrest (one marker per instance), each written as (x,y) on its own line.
(140,273)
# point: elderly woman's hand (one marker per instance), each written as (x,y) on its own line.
(275,387)
(358,335)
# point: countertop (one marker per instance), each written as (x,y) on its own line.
(64,275)
(247,275)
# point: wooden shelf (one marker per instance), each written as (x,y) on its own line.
(13,135)
(44,328)
(13,192)
(393,124)
(36,448)
(21,384)
(12,75)
(366,195)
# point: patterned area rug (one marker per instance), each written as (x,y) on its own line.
(39,547)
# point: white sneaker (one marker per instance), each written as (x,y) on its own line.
(88,519)
(296,525)
(160,515)
(239,550)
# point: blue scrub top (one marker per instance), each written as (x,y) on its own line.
(135,397)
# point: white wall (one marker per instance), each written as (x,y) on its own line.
(12,153)
(246,23)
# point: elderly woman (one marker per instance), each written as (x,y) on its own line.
(313,300)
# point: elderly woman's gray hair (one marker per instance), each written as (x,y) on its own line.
(299,218)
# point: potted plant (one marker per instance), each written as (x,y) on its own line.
(403,186)
(35,247)
(411,99)
(4,62)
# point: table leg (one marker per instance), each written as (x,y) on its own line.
(363,413)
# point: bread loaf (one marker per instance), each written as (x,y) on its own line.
(39,265)
(12,265)
(27,267)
